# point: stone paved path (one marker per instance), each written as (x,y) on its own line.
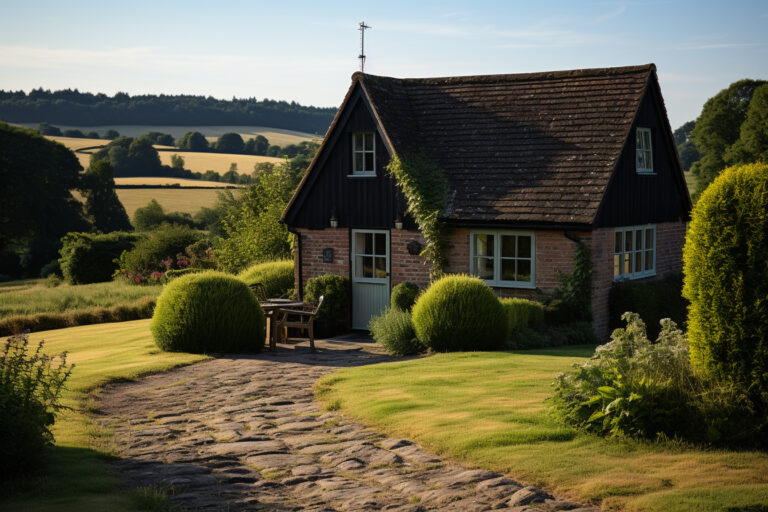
(245,434)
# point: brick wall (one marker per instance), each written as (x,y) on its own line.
(670,237)
(312,244)
(404,266)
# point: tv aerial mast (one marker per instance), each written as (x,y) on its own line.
(362,28)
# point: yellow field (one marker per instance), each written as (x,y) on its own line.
(276,136)
(182,182)
(173,200)
(219,162)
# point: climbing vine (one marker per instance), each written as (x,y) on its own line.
(425,188)
(576,292)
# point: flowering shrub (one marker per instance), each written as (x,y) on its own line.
(162,250)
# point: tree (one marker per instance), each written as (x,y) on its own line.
(257,145)
(47,129)
(37,208)
(92,135)
(111,134)
(717,128)
(752,145)
(726,279)
(102,205)
(148,217)
(177,162)
(159,138)
(75,134)
(193,141)
(143,158)
(230,143)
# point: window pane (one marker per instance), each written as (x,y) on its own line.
(649,238)
(627,269)
(647,139)
(358,162)
(381,267)
(484,245)
(524,270)
(648,260)
(363,266)
(648,160)
(484,268)
(523,247)
(380,245)
(507,246)
(357,141)
(616,264)
(360,243)
(640,164)
(639,138)
(638,239)
(368,162)
(617,243)
(369,141)
(628,242)
(508,270)
(638,262)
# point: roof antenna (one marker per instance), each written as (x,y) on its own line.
(362,28)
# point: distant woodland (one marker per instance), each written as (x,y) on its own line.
(71,107)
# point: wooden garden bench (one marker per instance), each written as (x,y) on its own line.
(301,317)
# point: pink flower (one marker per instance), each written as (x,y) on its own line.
(137,279)
(182,263)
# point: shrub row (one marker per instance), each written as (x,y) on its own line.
(275,276)
(141,308)
(90,258)
(336,292)
(652,300)
(161,250)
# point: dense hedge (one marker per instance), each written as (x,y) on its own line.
(726,279)
(275,276)
(652,300)
(90,258)
(404,296)
(394,331)
(459,312)
(522,313)
(334,314)
(208,312)
(151,253)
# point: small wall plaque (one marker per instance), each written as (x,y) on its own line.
(328,255)
(413,247)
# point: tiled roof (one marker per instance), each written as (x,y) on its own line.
(538,147)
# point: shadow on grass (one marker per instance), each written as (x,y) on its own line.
(571,351)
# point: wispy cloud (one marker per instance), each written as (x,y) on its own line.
(618,10)
(718,45)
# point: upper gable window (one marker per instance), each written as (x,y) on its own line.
(643,151)
(363,154)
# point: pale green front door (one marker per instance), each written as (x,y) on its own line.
(370,275)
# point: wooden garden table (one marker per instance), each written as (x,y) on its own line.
(271,309)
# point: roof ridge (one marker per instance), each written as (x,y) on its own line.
(542,75)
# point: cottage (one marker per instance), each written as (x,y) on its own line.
(534,163)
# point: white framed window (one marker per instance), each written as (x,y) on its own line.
(503,258)
(363,154)
(643,151)
(634,252)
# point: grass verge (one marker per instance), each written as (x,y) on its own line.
(76,479)
(488,410)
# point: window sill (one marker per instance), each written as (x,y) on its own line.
(507,284)
(646,173)
(633,277)
(362,175)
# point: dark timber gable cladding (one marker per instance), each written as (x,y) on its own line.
(537,149)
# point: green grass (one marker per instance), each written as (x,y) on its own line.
(690,181)
(31,296)
(488,410)
(76,479)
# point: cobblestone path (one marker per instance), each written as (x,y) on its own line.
(244,433)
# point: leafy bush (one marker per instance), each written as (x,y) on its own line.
(652,300)
(178,272)
(153,215)
(726,279)
(275,276)
(522,313)
(394,330)
(573,333)
(208,312)
(459,312)
(51,268)
(158,252)
(30,386)
(334,315)
(632,387)
(404,296)
(136,310)
(90,258)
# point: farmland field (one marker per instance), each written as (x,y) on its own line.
(219,162)
(276,136)
(161,181)
(172,199)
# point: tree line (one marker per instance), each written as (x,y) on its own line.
(73,107)
(731,130)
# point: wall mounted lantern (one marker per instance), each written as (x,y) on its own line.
(414,248)
(334,221)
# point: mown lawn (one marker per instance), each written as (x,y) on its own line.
(76,479)
(31,296)
(488,410)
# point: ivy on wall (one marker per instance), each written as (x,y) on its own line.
(425,188)
(577,285)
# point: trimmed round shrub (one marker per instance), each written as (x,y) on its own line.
(726,278)
(522,313)
(178,272)
(404,296)
(334,315)
(394,331)
(208,312)
(459,312)
(275,276)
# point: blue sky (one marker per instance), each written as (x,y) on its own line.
(306,51)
